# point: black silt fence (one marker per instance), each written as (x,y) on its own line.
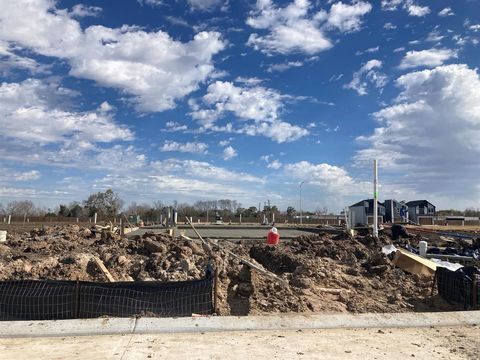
(57,300)
(459,287)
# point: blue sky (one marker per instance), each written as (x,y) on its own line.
(190,100)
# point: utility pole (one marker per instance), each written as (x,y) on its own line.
(301,213)
(375,199)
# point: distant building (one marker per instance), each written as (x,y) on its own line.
(361,213)
(400,211)
(421,212)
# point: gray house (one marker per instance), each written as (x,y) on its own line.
(400,211)
(361,213)
(421,212)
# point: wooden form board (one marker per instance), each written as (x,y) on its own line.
(414,264)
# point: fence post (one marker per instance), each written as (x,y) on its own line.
(9,218)
(215,292)
(77,299)
(95,219)
(475,291)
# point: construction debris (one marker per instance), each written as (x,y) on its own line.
(319,273)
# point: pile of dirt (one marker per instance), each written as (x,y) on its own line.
(324,273)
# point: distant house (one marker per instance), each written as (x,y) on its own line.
(421,212)
(400,210)
(361,213)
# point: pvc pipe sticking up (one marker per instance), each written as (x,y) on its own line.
(375,199)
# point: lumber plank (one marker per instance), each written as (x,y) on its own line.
(103,268)
(242,260)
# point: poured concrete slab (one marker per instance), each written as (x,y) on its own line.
(228,232)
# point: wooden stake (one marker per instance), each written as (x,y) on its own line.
(104,270)
(242,260)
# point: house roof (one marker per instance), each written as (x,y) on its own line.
(418,202)
(370,201)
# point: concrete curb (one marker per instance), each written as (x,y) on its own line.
(109,326)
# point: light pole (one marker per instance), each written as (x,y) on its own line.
(301,213)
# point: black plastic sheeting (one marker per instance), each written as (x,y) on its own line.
(460,287)
(56,300)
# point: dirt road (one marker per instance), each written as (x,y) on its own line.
(391,344)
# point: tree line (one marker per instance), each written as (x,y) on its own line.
(108,204)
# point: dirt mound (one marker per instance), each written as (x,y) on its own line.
(323,272)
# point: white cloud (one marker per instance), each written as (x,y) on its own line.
(365,75)
(446,12)
(8,175)
(203,170)
(284,66)
(427,58)
(475,27)
(81,10)
(26,114)
(225,142)
(205,5)
(419,11)
(153,68)
(275,164)
(348,18)
(368,51)
(389,26)
(189,147)
(409,5)
(250,103)
(9,60)
(332,179)
(432,134)
(173,126)
(434,36)
(229,153)
(295,29)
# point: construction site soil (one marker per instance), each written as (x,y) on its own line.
(322,272)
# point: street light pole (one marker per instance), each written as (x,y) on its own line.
(301,213)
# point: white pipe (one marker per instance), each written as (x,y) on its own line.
(391,209)
(375,199)
(301,212)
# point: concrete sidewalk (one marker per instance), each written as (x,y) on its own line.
(373,343)
(115,326)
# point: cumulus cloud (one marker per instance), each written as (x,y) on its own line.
(189,147)
(153,68)
(258,109)
(410,6)
(446,12)
(427,58)
(432,133)
(81,10)
(330,178)
(368,73)
(10,60)
(296,28)
(229,153)
(419,11)
(38,129)
(26,113)
(275,164)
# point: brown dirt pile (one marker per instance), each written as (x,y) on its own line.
(363,279)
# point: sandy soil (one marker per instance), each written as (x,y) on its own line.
(391,344)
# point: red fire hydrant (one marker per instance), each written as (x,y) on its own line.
(273,236)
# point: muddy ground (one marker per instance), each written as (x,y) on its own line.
(325,273)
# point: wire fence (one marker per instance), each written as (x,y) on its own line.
(459,287)
(57,300)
